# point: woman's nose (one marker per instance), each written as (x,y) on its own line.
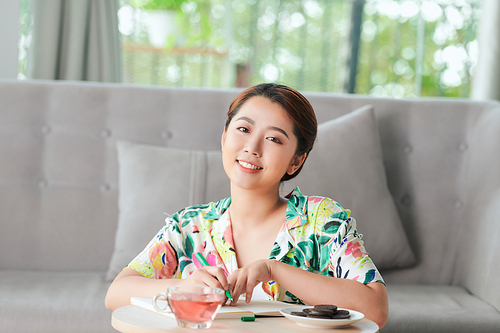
(253,147)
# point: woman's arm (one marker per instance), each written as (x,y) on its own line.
(312,288)
(370,299)
(130,283)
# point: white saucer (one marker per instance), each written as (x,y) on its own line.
(319,322)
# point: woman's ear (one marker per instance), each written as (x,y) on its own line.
(223,139)
(296,163)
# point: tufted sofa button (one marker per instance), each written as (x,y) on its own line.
(46,130)
(106,133)
(407,149)
(105,187)
(43,183)
(463,147)
(405,201)
(166,134)
(458,204)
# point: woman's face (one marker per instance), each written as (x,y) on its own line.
(259,145)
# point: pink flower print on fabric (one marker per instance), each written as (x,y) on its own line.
(353,248)
(200,248)
(212,257)
(164,260)
(271,288)
(315,199)
(227,236)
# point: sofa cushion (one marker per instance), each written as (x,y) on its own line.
(432,308)
(346,164)
(157,180)
(36,301)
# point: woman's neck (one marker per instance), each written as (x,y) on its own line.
(253,208)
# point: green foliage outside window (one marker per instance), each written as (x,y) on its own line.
(408,47)
(418,48)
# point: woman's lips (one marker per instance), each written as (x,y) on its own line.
(248,167)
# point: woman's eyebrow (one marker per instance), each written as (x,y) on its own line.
(248,120)
(279,130)
(252,122)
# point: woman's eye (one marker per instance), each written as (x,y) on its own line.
(273,139)
(243,129)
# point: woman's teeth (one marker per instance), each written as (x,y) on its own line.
(249,166)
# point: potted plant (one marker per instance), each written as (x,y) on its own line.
(161,19)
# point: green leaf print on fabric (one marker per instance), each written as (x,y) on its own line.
(191,214)
(370,275)
(289,259)
(303,251)
(331,227)
(342,215)
(275,251)
(321,253)
(299,203)
(183,264)
(188,246)
(175,228)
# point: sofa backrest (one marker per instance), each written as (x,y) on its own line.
(59,172)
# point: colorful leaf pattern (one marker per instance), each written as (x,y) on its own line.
(318,235)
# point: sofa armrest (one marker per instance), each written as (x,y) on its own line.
(478,256)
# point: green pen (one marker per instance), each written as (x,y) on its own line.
(204,262)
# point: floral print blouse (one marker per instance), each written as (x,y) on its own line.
(318,235)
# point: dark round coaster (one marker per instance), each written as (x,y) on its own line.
(325,307)
(297,313)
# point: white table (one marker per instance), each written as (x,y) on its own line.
(131,318)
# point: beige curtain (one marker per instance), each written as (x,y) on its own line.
(75,40)
(486,82)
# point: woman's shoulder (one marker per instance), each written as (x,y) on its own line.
(315,202)
(210,211)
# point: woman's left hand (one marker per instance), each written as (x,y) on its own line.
(244,280)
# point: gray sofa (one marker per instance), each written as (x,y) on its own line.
(60,201)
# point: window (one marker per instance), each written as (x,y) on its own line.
(399,48)
(418,48)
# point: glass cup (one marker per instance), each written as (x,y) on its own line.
(193,306)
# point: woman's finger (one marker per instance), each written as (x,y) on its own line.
(251,283)
(203,277)
(249,292)
(238,285)
(218,273)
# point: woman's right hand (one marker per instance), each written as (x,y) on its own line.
(130,283)
(211,276)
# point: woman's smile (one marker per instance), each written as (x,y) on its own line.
(248,167)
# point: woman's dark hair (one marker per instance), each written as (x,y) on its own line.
(305,125)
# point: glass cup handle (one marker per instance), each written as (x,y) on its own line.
(157,308)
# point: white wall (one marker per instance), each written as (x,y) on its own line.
(9,37)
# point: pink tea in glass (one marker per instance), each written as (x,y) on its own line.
(193,306)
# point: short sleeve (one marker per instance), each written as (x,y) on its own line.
(159,258)
(348,257)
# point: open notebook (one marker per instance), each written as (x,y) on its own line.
(255,308)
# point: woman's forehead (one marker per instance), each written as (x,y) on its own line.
(263,110)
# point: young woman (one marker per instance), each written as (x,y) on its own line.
(295,248)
